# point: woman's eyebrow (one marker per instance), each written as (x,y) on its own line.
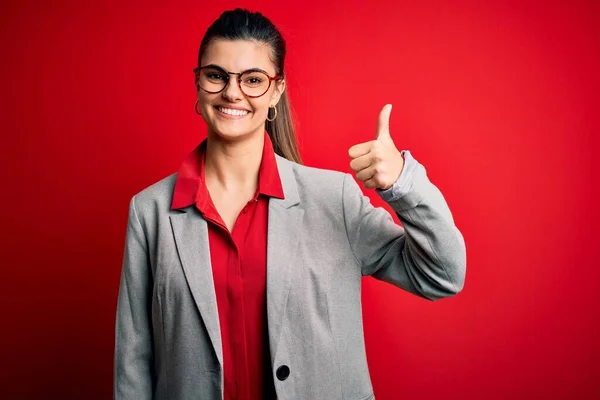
(215,66)
(246,70)
(254,69)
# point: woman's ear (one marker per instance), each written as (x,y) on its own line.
(278,92)
(196,79)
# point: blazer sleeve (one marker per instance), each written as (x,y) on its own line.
(425,256)
(133,360)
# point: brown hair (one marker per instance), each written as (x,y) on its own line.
(241,24)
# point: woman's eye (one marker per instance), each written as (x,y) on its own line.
(215,76)
(253,81)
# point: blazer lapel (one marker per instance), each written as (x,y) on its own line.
(191,236)
(284,222)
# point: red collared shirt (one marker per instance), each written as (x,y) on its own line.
(239,266)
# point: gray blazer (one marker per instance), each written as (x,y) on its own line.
(322,238)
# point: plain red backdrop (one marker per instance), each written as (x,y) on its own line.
(499,101)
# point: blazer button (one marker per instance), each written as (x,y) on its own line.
(283,372)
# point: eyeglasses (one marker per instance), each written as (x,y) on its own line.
(253,82)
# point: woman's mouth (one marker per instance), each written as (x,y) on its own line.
(231,113)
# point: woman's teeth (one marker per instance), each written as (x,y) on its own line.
(231,111)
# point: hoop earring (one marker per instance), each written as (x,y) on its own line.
(269,112)
(196,107)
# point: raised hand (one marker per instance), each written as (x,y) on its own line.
(378,163)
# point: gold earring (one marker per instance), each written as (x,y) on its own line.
(196,107)
(269,112)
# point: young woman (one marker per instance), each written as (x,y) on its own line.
(242,271)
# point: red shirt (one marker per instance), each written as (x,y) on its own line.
(239,266)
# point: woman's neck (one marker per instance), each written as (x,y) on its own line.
(232,166)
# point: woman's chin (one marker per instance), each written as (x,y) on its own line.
(233,129)
(231,132)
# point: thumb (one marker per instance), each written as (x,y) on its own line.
(383,122)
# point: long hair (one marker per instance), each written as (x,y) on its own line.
(241,24)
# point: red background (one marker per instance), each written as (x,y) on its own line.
(499,101)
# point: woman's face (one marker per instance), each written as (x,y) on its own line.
(238,56)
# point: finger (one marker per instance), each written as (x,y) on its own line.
(361,162)
(360,149)
(370,184)
(366,174)
(383,122)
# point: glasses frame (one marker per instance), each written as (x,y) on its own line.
(239,78)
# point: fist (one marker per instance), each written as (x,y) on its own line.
(378,163)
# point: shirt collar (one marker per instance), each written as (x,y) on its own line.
(190,177)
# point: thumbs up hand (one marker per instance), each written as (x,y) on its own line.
(378,163)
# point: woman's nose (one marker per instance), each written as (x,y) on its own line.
(232,91)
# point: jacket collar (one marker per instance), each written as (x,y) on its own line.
(190,185)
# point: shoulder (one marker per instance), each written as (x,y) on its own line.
(156,196)
(307,172)
(314,183)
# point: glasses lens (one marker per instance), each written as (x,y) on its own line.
(212,79)
(254,83)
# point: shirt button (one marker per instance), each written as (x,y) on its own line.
(283,372)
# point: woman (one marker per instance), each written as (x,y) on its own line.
(242,271)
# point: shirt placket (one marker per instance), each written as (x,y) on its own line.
(236,293)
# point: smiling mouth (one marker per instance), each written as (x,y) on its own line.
(232,112)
